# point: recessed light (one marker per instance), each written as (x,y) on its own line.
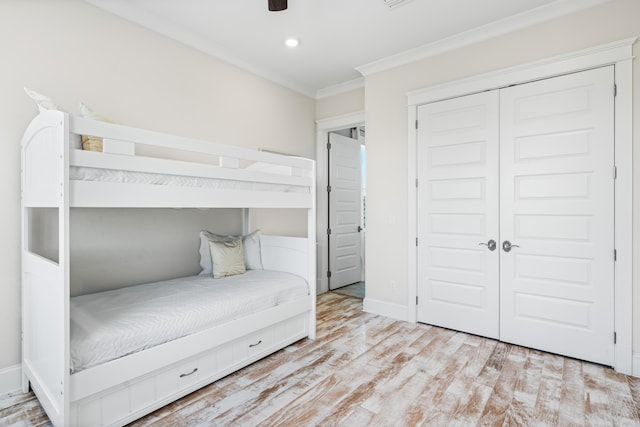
(291,42)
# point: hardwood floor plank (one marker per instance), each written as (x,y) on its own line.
(634,388)
(623,408)
(597,408)
(391,391)
(572,394)
(365,369)
(482,387)
(495,411)
(548,399)
(457,393)
(525,391)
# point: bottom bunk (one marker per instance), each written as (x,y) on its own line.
(134,350)
(231,346)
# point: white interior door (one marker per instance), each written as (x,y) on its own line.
(345,259)
(556,198)
(458,214)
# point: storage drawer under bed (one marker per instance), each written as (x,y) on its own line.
(138,397)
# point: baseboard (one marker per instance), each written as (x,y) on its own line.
(636,365)
(384,308)
(10,379)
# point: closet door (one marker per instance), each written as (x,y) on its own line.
(556,205)
(457,165)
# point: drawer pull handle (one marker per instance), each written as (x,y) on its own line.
(256,344)
(190,373)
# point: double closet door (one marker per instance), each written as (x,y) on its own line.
(516,214)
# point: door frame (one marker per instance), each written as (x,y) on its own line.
(619,54)
(323,127)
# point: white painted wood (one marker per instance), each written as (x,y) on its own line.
(557,204)
(229,162)
(345,248)
(324,126)
(412,211)
(10,379)
(288,254)
(114,146)
(87,194)
(95,159)
(102,395)
(82,126)
(624,217)
(619,53)
(458,174)
(92,381)
(123,403)
(45,284)
(598,56)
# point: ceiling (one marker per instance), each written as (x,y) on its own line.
(340,40)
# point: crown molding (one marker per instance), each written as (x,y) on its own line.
(485,32)
(340,88)
(162,26)
(340,122)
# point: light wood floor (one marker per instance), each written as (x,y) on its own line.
(367,370)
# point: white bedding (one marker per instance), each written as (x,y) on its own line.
(80,173)
(112,324)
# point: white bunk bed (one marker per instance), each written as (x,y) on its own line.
(57,174)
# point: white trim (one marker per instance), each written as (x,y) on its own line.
(385,308)
(412,219)
(10,379)
(619,54)
(340,88)
(610,53)
(623,304)
(636,365)
(494,29)
(323,127)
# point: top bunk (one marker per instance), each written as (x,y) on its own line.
(142,168)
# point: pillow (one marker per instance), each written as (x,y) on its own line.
(227,258)
(44,102)
(91,143)
(250,244)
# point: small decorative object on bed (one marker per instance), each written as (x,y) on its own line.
(228,318)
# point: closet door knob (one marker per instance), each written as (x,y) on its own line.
(506,246)
(491,244)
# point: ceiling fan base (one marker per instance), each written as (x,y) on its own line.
(277,5)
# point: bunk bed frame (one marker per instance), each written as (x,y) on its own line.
(125,389)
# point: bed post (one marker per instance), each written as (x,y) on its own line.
(45,279)
(311,251)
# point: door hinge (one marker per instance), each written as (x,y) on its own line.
(615,90)
(416,241)
(615,254)
(328,231)
(328,146)
(416,124)
(328,189)
(416,299)
(329,274)
(615,172)
(615,337)
(416,182)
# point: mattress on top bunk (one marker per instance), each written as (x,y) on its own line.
(81,173)
(108,325)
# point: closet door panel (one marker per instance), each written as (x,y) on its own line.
(556,205)
(457,165)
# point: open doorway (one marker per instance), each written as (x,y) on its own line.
(346,213)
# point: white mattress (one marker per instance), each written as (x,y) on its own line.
(112,324)
(80,173)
